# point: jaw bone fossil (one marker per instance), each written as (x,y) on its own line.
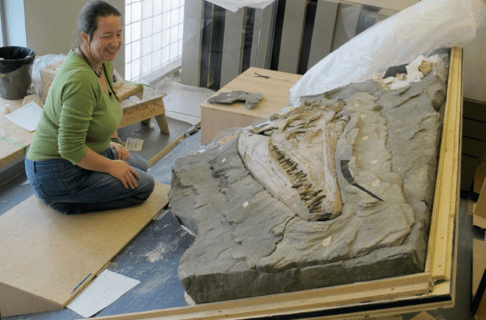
(293,158)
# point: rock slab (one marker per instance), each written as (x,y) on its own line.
(249,243)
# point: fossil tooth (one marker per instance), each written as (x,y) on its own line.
(318,199)
(315,205)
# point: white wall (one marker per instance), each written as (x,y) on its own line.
(15,22)
(51,27)
(475,68)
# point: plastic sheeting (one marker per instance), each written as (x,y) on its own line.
(399,39)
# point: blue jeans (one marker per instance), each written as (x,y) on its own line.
(71,189)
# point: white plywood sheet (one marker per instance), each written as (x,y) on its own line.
(48,257)
(293,28)
(234,31)
(191,53)
(323,31)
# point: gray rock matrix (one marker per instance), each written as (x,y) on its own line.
(248,243)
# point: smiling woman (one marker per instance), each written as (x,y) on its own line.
(72,163)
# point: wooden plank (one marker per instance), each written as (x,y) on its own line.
(192,39)
(263,36)
(296,302)
(479,216)
(446,201)
(479,263)
(162,153)
(423,316)
(293,27)
(48,257)
(396,5)
(323,31)
(21,302)
(127,89)
(234,31)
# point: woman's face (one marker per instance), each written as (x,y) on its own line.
(107,39)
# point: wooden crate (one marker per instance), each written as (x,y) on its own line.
(432,289)
(276,92)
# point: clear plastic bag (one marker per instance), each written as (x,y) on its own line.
(399,39)
(40,63)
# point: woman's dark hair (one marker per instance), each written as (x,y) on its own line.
(88,18)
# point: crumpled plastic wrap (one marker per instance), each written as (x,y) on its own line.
(39,63)
(399,39)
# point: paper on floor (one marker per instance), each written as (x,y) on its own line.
(26,117)
(134,144)
(99,294)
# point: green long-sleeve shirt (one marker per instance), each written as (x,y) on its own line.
(77,115)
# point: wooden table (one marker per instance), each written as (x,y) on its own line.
(14,140)
(276,92)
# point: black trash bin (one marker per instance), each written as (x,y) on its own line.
(15,71)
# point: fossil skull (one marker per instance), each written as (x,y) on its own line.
(293,158)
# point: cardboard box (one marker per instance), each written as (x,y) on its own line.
(275,87)
(47,76)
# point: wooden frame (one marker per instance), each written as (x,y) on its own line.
(432,289)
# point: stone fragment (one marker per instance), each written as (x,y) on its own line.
(251,99)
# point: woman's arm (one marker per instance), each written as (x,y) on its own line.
(117,168)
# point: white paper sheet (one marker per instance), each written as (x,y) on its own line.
(235,5)
(27,117)
(134,144)
(103,291)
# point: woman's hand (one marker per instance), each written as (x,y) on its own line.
(123,172)
(123,153)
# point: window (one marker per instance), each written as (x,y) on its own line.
(153,35)
(2,27)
